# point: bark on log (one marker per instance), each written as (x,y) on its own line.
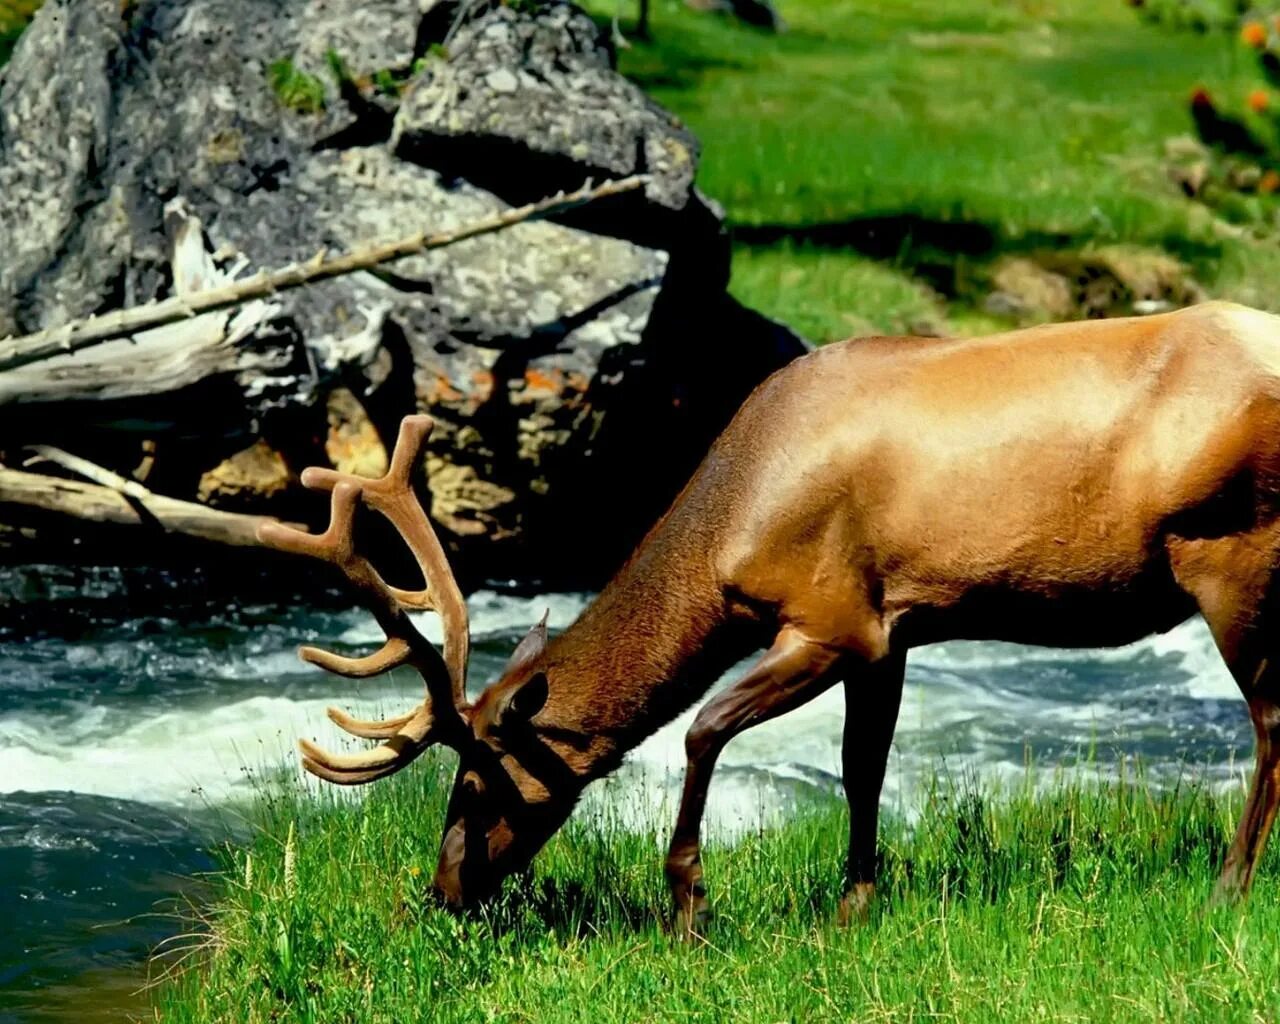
(99,504)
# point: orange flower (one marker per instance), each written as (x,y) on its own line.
(1254,34)
(1268,183)
(1259,100)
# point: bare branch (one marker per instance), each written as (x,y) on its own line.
(88,470)
(15,352)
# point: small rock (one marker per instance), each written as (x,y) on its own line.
(352,445)
(250,476)
(1024,286)
(501,80)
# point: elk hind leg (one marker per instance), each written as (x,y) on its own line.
(1234,582)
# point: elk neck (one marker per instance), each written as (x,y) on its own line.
(660,633)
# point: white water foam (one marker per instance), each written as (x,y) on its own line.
(198,753)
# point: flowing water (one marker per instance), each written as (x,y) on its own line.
(125,746)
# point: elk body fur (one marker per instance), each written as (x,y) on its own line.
(1070,485)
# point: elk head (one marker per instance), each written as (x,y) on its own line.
(512,789)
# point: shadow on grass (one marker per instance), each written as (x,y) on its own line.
(951,255)
(676,56)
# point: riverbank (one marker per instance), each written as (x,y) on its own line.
(1071,902)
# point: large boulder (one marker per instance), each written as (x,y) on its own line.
(578,367)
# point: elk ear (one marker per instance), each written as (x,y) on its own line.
(529,648)
(525,701)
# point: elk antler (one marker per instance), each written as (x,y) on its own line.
(441,717)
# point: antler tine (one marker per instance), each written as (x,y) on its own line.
(414,431)
(370,730)
(393,496)
(418,732)
(335,544)
(394,653)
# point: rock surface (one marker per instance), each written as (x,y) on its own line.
(577,368)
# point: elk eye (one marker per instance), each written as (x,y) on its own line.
(472,784)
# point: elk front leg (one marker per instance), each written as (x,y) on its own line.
(794,670)
(872,696)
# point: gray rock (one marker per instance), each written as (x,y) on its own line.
(544,87)
(577,368)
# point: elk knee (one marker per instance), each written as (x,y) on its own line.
(706,736)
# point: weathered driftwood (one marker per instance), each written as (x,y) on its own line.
(73,337)
(253,346)
(241,344)
(138,507)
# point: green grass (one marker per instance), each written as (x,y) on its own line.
(1037,123)
(1076,903)
(296,89)
(14,15)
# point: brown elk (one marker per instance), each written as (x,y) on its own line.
(1070,485)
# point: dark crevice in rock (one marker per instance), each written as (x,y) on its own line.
(372,128)
(268,177)
(434,26)
(486,160)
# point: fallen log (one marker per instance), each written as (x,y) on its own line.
(131,505)
(248,344)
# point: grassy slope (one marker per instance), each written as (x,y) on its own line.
(1081,905)
(1032,122)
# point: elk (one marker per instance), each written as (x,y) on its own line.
(1075,485)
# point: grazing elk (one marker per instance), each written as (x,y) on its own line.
(1073,485)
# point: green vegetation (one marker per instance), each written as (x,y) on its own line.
(1079,903)
(295,88)
(880,160)
(14,15)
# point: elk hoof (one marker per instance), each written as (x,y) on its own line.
(1228,892)
(693,911)
(855,908)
